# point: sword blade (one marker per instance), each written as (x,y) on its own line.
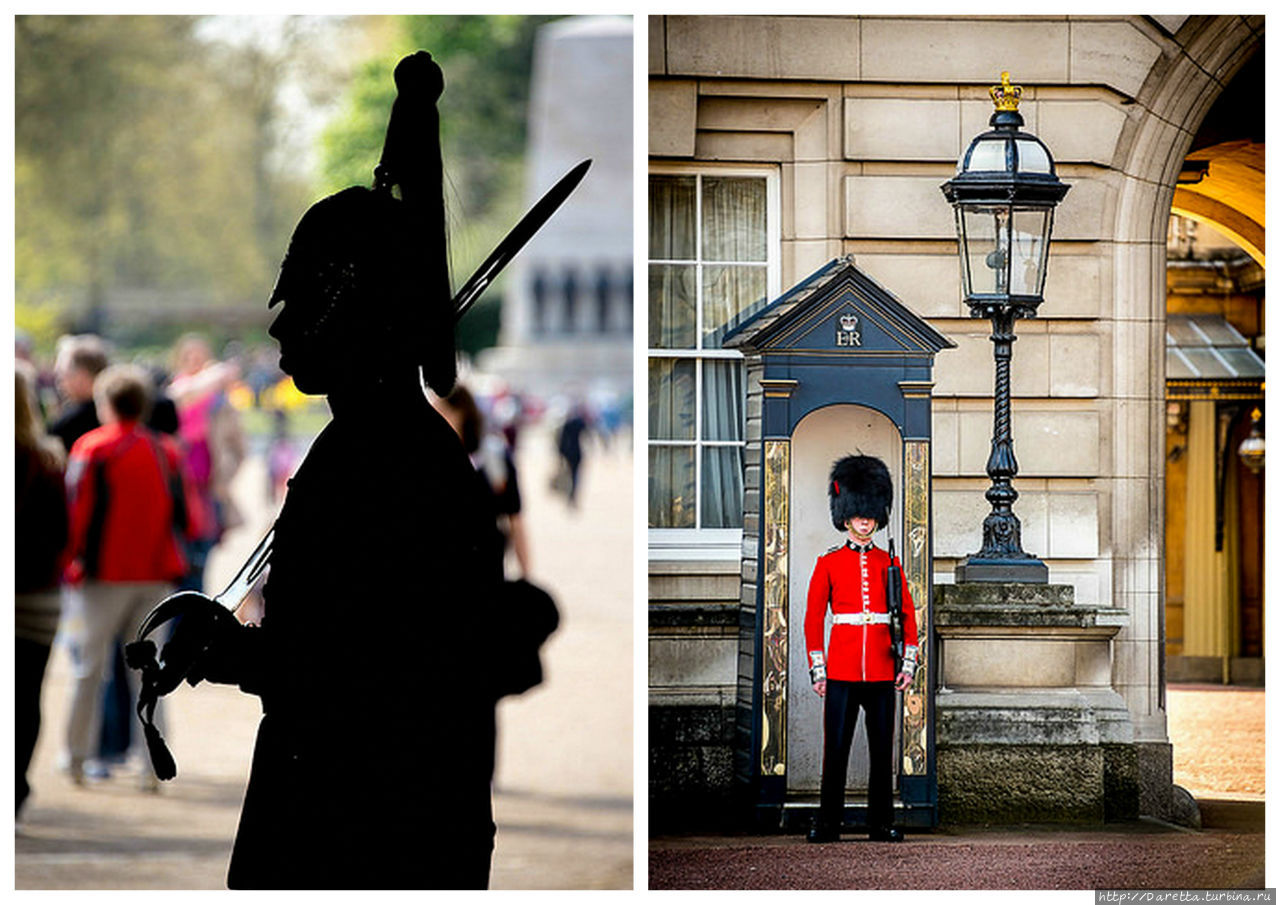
(515,240)
(235,593)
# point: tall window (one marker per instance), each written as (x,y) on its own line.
(709,266)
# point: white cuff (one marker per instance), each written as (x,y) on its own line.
(817,667)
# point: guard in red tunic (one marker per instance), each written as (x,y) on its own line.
(858,668)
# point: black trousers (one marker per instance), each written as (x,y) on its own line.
(839,720)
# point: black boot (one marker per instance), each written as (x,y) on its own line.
(886,834)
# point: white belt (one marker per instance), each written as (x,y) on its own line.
(863,618)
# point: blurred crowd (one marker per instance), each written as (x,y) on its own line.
(123,489)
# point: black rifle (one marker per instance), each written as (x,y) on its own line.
(893,597)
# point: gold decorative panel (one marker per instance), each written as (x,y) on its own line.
(915,560)
(775,523)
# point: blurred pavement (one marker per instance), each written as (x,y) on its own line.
(563,800)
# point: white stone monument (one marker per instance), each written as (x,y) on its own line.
(567,308)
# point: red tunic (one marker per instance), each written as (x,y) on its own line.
(115,479)
(852,582)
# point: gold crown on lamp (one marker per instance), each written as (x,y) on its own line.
(1006,96)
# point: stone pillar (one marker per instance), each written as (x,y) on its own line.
(1205,610)
(1029,726)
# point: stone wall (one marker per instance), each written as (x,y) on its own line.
(693,651)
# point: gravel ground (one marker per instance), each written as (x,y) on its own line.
(1219,745)
(1143,856)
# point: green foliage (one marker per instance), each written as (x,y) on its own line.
(479,329)
(484,114)
(141,162)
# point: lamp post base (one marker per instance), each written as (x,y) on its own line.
(1022,570)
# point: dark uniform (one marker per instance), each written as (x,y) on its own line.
(374,758)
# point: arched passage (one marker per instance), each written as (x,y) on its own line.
(1174,100)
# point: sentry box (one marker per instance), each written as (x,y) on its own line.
(836,365)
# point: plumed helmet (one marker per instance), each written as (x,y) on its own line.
(383,250)
(860,487)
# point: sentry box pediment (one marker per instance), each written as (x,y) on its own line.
(839,336)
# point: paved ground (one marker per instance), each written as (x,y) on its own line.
(563,789)
(1219,743)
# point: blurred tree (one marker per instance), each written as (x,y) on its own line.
(146,161)
(487,62)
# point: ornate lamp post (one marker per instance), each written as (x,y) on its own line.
(1004,193)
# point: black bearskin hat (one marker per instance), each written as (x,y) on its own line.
(860,487)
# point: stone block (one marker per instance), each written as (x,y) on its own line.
(695,618)
(1120,782)
(756,114)
(693,661)
(1044,717)
(657,46)
(1005,784)
(1113,53)
(897,207)
(968,369)
(1013,596)
(801,257)
(877,128)
(673,114)
(1093,664)
(812,201)
(1087,583)
(1032,510)
(1155,779)
(1074,365)
(1171,24)
(957,518)
(697,724)
(1157,146)
(1073,525)
(1056,443)
(1136,200)
(690,788)
(1139,276)
(1183,809)
(945,449)
(744,147)
(1084,213)
(959,50)
(764,47)
(929,285)
(1083,131)
(1010,663)
(1126,660)
(693,582)
(1030,370)
(1073,286)
(1047,443)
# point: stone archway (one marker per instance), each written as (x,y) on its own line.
(1174,99)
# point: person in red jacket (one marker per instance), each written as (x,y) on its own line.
(857,668)
(128,503)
